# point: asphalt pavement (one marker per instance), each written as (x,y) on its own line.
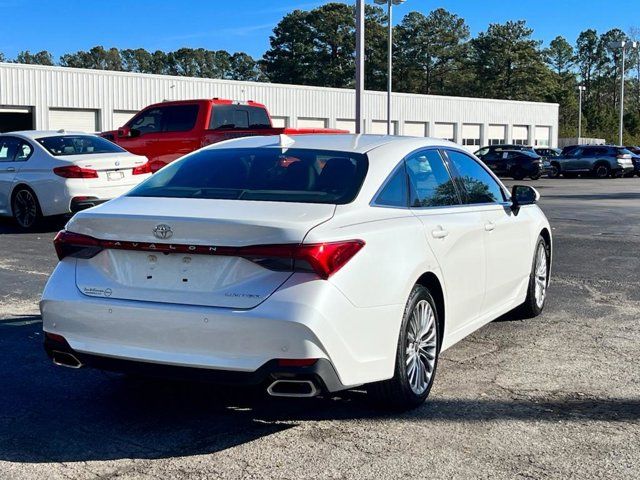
(553,397)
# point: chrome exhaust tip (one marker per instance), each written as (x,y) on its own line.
(65,359)
(293,388)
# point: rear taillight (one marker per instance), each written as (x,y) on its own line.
(324,259)
(69,243)
(74,171)
(142,169)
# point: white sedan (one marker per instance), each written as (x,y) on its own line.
(46,173)
(309,265)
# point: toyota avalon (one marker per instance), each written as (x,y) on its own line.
(306,265)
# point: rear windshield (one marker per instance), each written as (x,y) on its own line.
(78,145)
(266,174)
(238,117)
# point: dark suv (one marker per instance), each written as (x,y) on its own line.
(516,161)
(603,161)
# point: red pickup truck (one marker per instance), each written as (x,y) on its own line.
(165,131)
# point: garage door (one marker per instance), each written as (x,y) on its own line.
(279,122)
(471,136)
(446,131)
(312,123)
(415,129)
(121,117)
(379,127)
(520,135)
(349,125)
(543,136)
(73,120)
(497,134)
(15,118)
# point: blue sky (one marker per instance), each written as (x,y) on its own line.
(245,25)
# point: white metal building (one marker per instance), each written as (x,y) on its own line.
(43,97)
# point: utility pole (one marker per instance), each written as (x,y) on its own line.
(581,88)
(390,4)
(359,63)
(623,46)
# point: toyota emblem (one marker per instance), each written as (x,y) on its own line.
(162,231)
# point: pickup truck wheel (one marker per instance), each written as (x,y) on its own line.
(602,171)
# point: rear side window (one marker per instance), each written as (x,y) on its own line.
(429,181)
(78,145)
(172,118)
(238,117)
(477,184)
(265,174)
(394,193)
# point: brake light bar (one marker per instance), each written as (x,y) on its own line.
(74,171)
(324,259)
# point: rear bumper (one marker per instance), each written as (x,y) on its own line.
(320,373)
(305,318)
(82,203)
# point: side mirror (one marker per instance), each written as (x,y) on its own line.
(523,195)
(124,132)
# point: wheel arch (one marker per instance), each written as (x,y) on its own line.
(544,233)
(431,282)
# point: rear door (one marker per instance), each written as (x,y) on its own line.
(505,236)
(453,232)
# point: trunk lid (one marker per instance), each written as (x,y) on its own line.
(185,278)
(114,169)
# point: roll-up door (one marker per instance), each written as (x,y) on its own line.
(73,120)
(471,135)
(543,136)
(497,134)
(446,131)
(415,129)
(520,135)
(312,123)
(349,125)
(121,117)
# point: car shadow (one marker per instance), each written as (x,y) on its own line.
(47,225)
(53,414)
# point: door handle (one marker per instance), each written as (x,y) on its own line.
(439,232)
(489,227)
(10,169)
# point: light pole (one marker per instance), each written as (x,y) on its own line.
(581,88)
(359,62)
(390,4)
(623,46)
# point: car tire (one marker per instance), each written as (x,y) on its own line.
(416,362)
(538,281)
(25,208)
(535,177)
(602,171)
(555,170)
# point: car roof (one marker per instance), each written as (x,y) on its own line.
(35,134)
(355,143)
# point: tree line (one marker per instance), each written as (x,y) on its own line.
(433,54)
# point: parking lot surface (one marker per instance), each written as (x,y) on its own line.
(553,397)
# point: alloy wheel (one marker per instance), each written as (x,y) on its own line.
(25,208)
(541,274)
(602,171)
(421,349)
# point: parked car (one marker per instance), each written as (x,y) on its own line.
(518,164)
(635,158)
(166,131)
(603,161)
(547,152)
(45,173)
(305,265)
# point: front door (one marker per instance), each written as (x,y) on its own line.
(504,235)
(9,150)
